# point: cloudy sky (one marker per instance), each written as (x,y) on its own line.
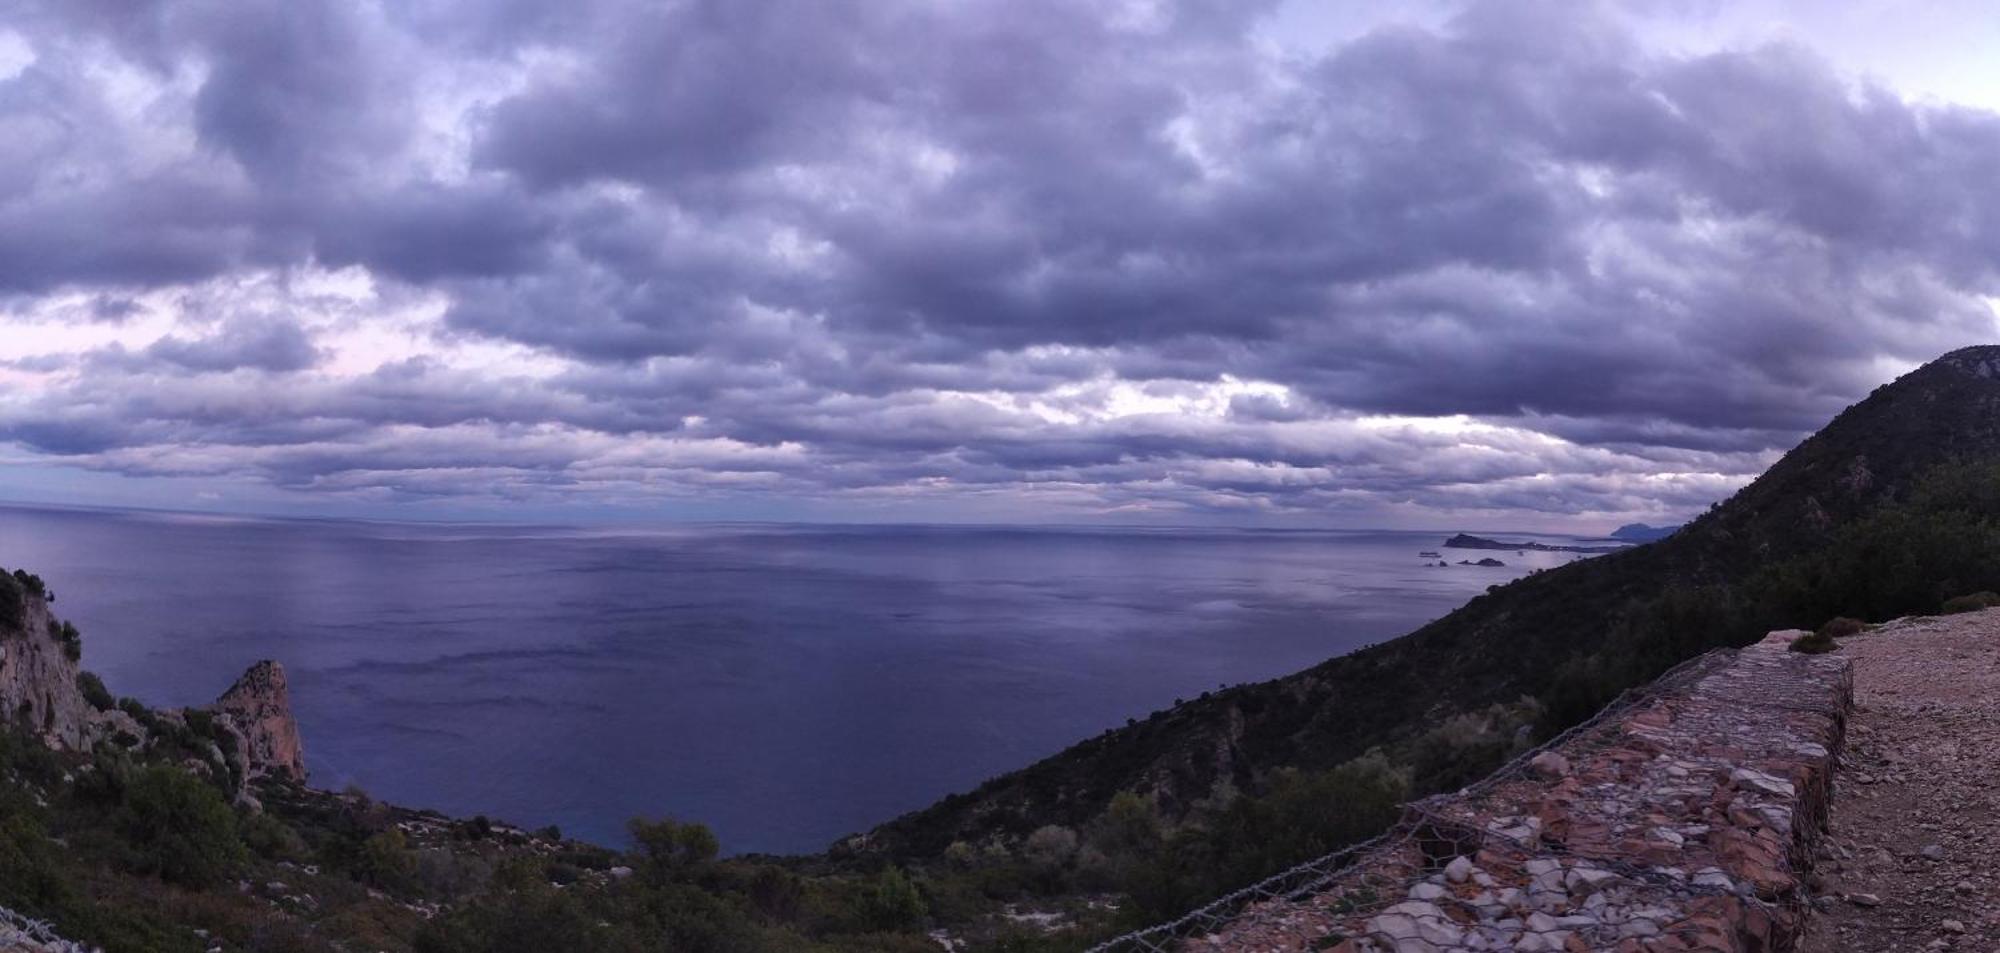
(1523,264)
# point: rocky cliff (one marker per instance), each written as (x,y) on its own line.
(38,675)
(40,667)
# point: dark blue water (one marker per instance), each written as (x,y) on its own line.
(785,685)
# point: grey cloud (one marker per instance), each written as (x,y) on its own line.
(810,229)
(421,232)
(694,88)
(260,343)
(297,94)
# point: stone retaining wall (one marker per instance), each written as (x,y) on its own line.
(1685,820)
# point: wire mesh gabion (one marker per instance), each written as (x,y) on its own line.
(1494,866)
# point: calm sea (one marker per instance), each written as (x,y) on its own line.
(784,684)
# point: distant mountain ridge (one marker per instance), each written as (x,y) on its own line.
(1541,636)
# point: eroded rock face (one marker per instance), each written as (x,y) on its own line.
(259,709)
(38,680)
(38,690)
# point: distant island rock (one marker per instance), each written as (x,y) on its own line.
(1488,561)
(1641,533)
(1467,541)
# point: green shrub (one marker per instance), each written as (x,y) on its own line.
(284,935)
(202,723)
(1302,815)
(72,641)
(1842,627)
(33,583)
(891,902)
(103,780)
(1050,847)
(1468,746)
(94,691)
(386,862)
(1972,602)
(27,759)
(30,874)
(442,873)
(11,602)
(523,914)
(180,828)
(1814,643)
(670,850)
(269,837)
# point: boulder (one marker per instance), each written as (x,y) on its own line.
(1549,765)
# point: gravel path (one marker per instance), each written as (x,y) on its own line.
(1916,810)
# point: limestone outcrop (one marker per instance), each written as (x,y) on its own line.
(258,710)
(38,679)
(1685,818)
(39,665)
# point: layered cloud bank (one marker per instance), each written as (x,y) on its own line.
(933,259)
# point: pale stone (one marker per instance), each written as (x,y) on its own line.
(1550,765)
(1395,926)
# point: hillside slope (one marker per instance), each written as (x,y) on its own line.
(1544,636)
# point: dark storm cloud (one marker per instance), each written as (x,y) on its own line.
(858,246)
(1434,162)
(304,131)
(266,343)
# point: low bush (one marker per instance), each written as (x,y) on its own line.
(94,691)
(33,583)
(11,602)
(271,838)
(72,640)
(1842,627)
(444,873)
(386,862)
(202,723)
(179,828)
(1972,602)
(1814,643)
(891,902)
(670,850)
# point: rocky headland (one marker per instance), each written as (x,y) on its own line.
(1469,541)
(201,834)
(252,732)
(1642,533)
